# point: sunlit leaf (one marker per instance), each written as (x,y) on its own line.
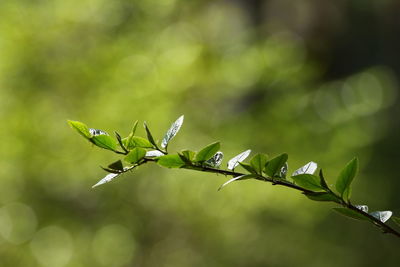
(258,162)
(135,155)
(81,128)
(188,154)
(207,152)
(172,131)
(345,178)
(274,166)
(107,179)
(234,162)
(154,153)
(308,181)
(309,168)
(132,134)
(363,208)
(322,196)
(102,139)
(383,216)
(242,177)
(216,160)
(170,161)
(284,169)
(137,141)
(351,214)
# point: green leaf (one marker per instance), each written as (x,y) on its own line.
(322,196)
(116,166)
(170,161)
(258,162)
(81,128)
(308,181)
(322,180)
(172,131)
(149,135)
(247,167)
(131,135)
(137,141)
(242,177)
(351,213)
(345,178)
(119,139)
(104,141)
(274,166)
(188,154)
(207,152)
(135,155)
(396,220)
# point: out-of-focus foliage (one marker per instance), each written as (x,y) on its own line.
(310,78)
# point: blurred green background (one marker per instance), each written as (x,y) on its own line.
(316,79)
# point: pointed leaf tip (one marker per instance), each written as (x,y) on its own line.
(234,162)
(242,177)
(172,131)
(346,176)
(106,179)
(309,168)
(207,152)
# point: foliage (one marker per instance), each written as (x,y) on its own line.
(209,159)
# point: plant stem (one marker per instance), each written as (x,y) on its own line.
(383,226)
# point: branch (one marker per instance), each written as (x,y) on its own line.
(138,151)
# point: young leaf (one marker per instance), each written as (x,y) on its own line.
(103,140)
(216,160)
(238,178)
(132,134)
(274,165)
(172,131)
(308,181)
(207,152)
(247,167)
(170,161)
(322,180)
(116,166)
(121,144)
(383,216)
(345,178)
(351,213)
(154,153)
(322,196)
(81,128)
(309,168)
(135,155)
(258,162)
(396,220)
(137,141)
(239,158)
(188,154)
(107,179)
(149,135)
